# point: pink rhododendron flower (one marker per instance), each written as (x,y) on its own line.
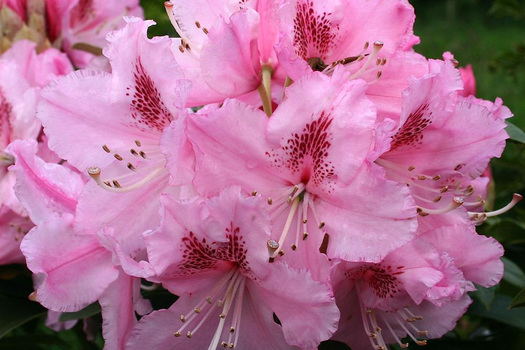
(74,26)
(23,73)
(325,34)
(312,167)
(226,48)
(443,141)
(419,289)
(221,269)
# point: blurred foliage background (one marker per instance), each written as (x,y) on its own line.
(489,35)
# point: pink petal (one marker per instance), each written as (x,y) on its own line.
(69,275)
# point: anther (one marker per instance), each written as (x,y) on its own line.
(437,199)
(437,177)
(94,171)
(379,74)
(182,318)
(205,31)
(422,177)
(142,154)
(181,49)
(116,184)
(222,316)
(366,45)
(321,224)
(132,151)
(188,334)
(197,24)
(131,167)
(177,334)
(197,310)
(230,345)
(270,201)
(272,244)
(410,168)
(421,342)
(293,246)
(208,300)
(232,329)
(105,148)
(224,344)
(137,142)
(444,189)
(305,235)
(281,252)
(117,156)
(254,193)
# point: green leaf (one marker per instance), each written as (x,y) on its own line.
(519,300)
(485,295)
(88,311)
(513,273)
(515,133)
(17,311)
(499,311)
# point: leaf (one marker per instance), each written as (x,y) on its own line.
(515,133)
(485,295)
(519,300)
(17,311)
(88,311)
(513,273)
(499,311)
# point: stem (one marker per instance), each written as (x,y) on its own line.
(265,89)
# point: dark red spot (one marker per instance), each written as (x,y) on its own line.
(306,153)
(198,255)
(381,279)
(411,133)
(314,33)
(148,109)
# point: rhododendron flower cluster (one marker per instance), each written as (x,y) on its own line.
(292,170)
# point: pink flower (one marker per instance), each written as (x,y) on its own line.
(419,289)
(322,35)
(310,161)
(23,73)
(208,253)
(444,141)
(226,49)
(67,24)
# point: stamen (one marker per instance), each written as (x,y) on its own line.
(516,198)
(456,203)
(288,223)
(184,40)
(94,172)
(479,218)
(371,58)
